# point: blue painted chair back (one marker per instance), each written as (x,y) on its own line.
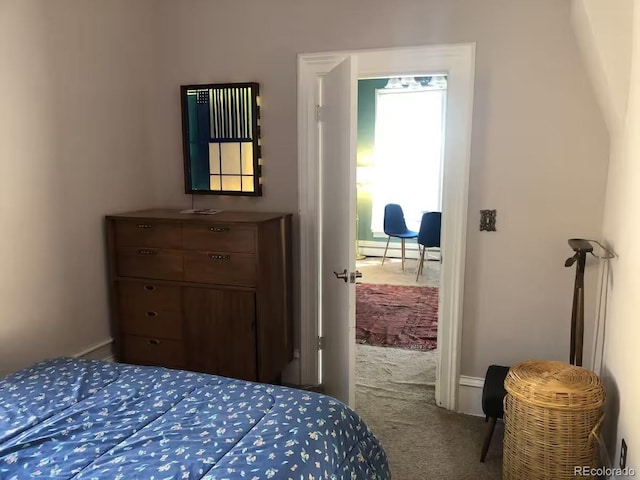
(394,223)
(430,226)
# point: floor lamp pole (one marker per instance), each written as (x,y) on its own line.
(581,248)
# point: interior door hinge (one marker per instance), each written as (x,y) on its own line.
(318,113)
(320,343)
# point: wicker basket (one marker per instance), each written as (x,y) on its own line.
(552,415)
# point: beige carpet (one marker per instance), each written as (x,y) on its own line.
(395,396)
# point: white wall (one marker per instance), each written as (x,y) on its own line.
(91,99)
(539,153)
(73,107)
(603,29)
(621,370)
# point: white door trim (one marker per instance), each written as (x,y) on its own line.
(458,61)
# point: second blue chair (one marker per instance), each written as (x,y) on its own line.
(395,226)
(428,237)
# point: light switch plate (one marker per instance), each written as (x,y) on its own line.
(488,220)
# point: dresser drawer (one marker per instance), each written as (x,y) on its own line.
(146,296)
(220,268)
(148,233)
(219,238)
(153,351)
(149,263)
(152,323)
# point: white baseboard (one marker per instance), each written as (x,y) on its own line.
(376,249)
(470,395)
(99,351)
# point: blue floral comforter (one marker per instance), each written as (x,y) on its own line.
(81,419)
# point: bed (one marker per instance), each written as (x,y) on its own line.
(83,419)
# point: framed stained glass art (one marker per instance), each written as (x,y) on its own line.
(221,139)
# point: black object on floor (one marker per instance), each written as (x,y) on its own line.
(493,393)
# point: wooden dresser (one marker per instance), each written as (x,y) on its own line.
(209,293)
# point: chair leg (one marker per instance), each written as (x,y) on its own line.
(420,263)
(385,250)
(487,439)
(403,254)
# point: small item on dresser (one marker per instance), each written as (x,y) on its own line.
(201,211)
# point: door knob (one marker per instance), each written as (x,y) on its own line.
(344,275)
(348,277)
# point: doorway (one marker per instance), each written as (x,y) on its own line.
(399,160)
(315,203)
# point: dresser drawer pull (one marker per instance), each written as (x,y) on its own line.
(219,229)
(154,341)
(152,314)
(144,225)
(150,288)
(214,256)
(143,251)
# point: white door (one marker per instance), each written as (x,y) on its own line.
(338,170)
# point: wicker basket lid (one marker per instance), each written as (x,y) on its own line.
(555,385)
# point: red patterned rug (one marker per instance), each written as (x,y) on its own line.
(397,316)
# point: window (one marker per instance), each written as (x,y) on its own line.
(409,145)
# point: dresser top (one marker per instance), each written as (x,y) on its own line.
(226,216)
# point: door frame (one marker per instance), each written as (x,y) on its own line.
(458,62)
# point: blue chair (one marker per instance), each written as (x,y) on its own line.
(395,226)
(429,236)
